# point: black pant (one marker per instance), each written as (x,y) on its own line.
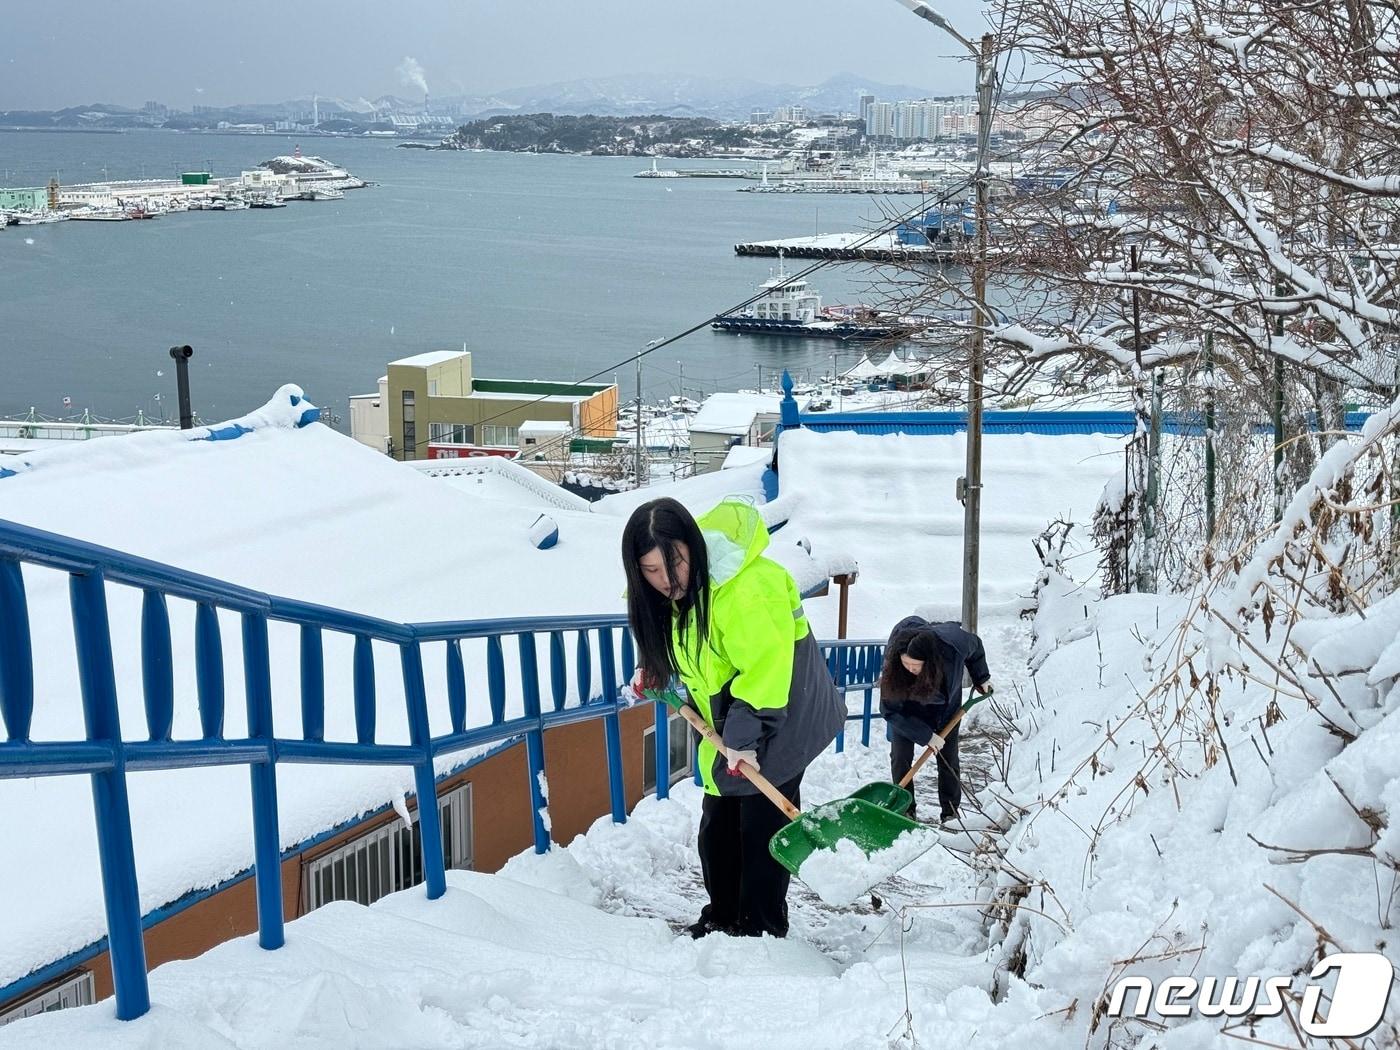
(949,784)
(747,887)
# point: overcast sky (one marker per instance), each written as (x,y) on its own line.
(189,53)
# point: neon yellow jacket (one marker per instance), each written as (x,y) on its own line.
(743,680)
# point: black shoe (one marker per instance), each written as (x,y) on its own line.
(948,816)
(704,926)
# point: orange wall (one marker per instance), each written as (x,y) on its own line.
(598,415)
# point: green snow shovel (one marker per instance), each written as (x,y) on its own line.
(898,797)
(870,829)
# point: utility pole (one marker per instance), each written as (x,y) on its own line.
(972,513)
(638,467)
(969,489)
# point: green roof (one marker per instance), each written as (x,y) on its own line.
(537,388)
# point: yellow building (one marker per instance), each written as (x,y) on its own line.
(431,407)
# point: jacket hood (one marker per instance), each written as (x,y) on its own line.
(735,536)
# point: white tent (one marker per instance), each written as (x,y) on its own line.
(894,365)
(864,370)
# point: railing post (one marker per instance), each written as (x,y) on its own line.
(842,678)
(209,671)
(661,738)
(558,677)
(157,665)
(456,687)
(364,689)
(111,806)
(267,846)
(424,779)
(313,684)
(534,738)
(612,728)
(16,654)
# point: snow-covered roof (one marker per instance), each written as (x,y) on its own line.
(727,413)
(307,513)
(841,490)
(502,480)
(746,456)
(432,357)
(698,493)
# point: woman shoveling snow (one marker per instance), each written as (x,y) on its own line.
(706,606)
(920,690)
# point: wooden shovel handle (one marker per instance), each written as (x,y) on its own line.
(758,779)
(930,751)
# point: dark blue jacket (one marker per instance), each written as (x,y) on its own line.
(918,720)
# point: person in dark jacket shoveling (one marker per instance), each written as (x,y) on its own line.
(706,605)
(921,689)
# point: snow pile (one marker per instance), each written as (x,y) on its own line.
(843,872)
(1160,838)
(1197,794)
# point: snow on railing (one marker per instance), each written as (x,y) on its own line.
(106,756)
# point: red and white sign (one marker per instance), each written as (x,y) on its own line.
(468,451)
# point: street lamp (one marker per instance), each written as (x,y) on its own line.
(970,485)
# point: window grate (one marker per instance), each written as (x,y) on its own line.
(389,858)
(76,990)
(679,738)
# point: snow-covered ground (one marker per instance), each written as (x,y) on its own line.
(585,947)
(1125,851)
(1121,817)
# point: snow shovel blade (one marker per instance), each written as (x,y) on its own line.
(870,829)
(886,795)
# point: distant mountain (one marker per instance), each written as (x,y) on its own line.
(720,99)
(715,98)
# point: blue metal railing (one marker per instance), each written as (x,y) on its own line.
(106,755)
(1112,424)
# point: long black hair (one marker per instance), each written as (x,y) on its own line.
(663,524)
(896,683)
